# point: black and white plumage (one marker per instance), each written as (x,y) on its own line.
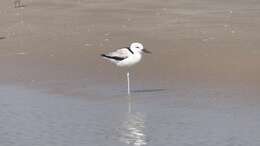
(126,57)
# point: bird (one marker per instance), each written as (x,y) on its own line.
(127,57)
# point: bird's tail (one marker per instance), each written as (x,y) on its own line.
(103,55)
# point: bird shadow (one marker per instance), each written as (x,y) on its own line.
(148,90)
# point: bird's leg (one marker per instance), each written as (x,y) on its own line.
(129,104)
(128,83)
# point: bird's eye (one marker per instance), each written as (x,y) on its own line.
(137,47)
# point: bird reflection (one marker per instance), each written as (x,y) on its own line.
(132,129)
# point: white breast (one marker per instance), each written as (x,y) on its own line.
(131,60)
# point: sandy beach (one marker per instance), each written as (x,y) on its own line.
(199,87)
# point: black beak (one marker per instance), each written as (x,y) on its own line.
(146,51)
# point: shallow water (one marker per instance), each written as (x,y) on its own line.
(199,87)
(159,118)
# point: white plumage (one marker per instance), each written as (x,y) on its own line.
(126,57)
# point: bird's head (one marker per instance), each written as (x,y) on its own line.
(138,47)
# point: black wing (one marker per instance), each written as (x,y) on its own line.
(114,57)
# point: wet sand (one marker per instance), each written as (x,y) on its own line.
(199,87)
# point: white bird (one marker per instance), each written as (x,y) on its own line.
(127,57)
